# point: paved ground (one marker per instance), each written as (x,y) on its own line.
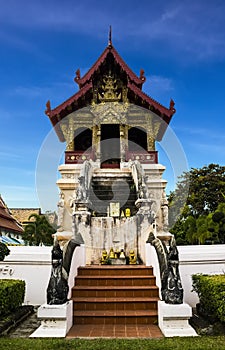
(28,326)
(25,328)
(114,331)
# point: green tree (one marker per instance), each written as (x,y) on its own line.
(202,234)
(190,230)
(202,190)
(219,219)
(38,231)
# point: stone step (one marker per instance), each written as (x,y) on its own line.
(111,173)
(115,331)
(115,281)
(109,193)
(111,178)
(107,187)
(116,183)
(119,196)
(115,291)
(116,317)
(119,270)
(115,186)
(115,295)
(115,304)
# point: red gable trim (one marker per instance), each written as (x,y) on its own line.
(168,112)
(70,100)
(10,226)
(6,219)
(131,75)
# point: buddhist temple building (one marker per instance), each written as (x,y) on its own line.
(111,187)
(22,214)
(114,263)
(9,226)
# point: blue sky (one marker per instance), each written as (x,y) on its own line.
(179,44)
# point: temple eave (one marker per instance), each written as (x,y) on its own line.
(145,101)
(73,99)
(151,104)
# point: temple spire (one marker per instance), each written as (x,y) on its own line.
(110,36)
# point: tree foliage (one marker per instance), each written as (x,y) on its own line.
(202,218)
(4,251)
(39,231)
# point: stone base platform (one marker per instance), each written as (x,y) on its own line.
(173,320)
(56,320)
(118,261)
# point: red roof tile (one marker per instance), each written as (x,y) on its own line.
(70,100)
(110,49)
(84,96)
(7,221)
(167,111)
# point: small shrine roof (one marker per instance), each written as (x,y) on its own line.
(22,214)
(7,221)
(153,104)
(84,96)
(110,49)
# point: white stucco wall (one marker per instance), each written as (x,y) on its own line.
(205,259)
(33,264)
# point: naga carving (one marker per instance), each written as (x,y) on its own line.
(57,290)
(171,288)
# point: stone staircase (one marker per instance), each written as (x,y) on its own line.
(115,295)
(112,185)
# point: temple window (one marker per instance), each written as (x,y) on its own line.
(137,139)
(82,139)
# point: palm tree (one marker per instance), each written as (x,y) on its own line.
(39,231)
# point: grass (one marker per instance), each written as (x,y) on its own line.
(188,343)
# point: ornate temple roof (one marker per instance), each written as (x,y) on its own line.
(22,214)
(132,76)
(87,88)
(7,221)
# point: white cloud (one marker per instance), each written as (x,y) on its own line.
(209,133)
(29,92)
(159,88)
(158,83)
(194,29)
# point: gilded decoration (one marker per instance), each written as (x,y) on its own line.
(152,131)
(110,112)
(123,141)
(95,131)
(68,132)
(157,127)
(83,119)
(110,104)
(151,143)
(109,89)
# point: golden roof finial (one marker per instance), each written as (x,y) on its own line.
(110,36)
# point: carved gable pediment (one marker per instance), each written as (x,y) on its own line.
(110,112)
